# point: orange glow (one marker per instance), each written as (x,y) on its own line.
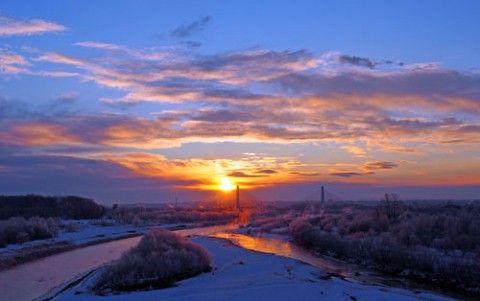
(38,133)
(226,185)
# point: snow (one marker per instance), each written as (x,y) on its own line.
(88,233)
(257,232)
(240,274)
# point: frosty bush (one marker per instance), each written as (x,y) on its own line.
(435,242)
(19,230)
(141,216)
(72,227)
(159,260)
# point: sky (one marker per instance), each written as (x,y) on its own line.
(146,101)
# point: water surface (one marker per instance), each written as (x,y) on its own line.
(34,279)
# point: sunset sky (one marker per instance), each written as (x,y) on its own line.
(143,101)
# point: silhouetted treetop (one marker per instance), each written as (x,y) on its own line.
(70,207)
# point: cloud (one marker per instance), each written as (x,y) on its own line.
(62,59)
(37,134)
(364,170)
(58,74)
(190,29)
(192,44)
(365,62)
(305,174)
(358,61)
(355,150)
(106,46)
(380,165)
(241,174)
(67,97)
(315,103)
(278,124)
(266,171)
(290,78)
(349,174)
(436,89)
(104,180)
(13,109)
(262,96)
(12,63)
(11,27)
(120,49)
(221,116)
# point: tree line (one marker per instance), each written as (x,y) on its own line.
(67,207)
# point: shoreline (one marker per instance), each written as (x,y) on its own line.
(46,250)
(375,274)
(241,274)
(42,254)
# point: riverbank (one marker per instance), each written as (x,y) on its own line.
(31,280)
(241,274)
(351,270)
(90,234)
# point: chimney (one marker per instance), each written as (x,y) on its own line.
(238,199)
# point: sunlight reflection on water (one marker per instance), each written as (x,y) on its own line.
(286,249)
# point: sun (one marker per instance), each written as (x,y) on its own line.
(226,185)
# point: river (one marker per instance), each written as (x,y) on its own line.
(348,271)
(34,279)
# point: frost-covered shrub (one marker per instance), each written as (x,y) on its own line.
(269,224)
(159,216)
(19,230)
(159,260)
(439,242)
(302,232)
(305,234)
(38,228)
(72,227)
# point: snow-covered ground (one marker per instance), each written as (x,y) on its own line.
(257,232)
(86,233)
(240,274)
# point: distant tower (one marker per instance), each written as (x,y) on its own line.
(323,194)
(238,199)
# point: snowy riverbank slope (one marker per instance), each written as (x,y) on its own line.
(245,275)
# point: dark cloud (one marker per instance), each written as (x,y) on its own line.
(229,94)
(187,30)
(305,174)
(438,87)
(103,180)
(470,129)
(266,171)
(241,174)
(223,116)
(390,62)
(348,174)
(358,61)
(380,165)
(67,97)
(16,110)
(365,62)
(367,169)
(259,62)
(10,108)
(192,44)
